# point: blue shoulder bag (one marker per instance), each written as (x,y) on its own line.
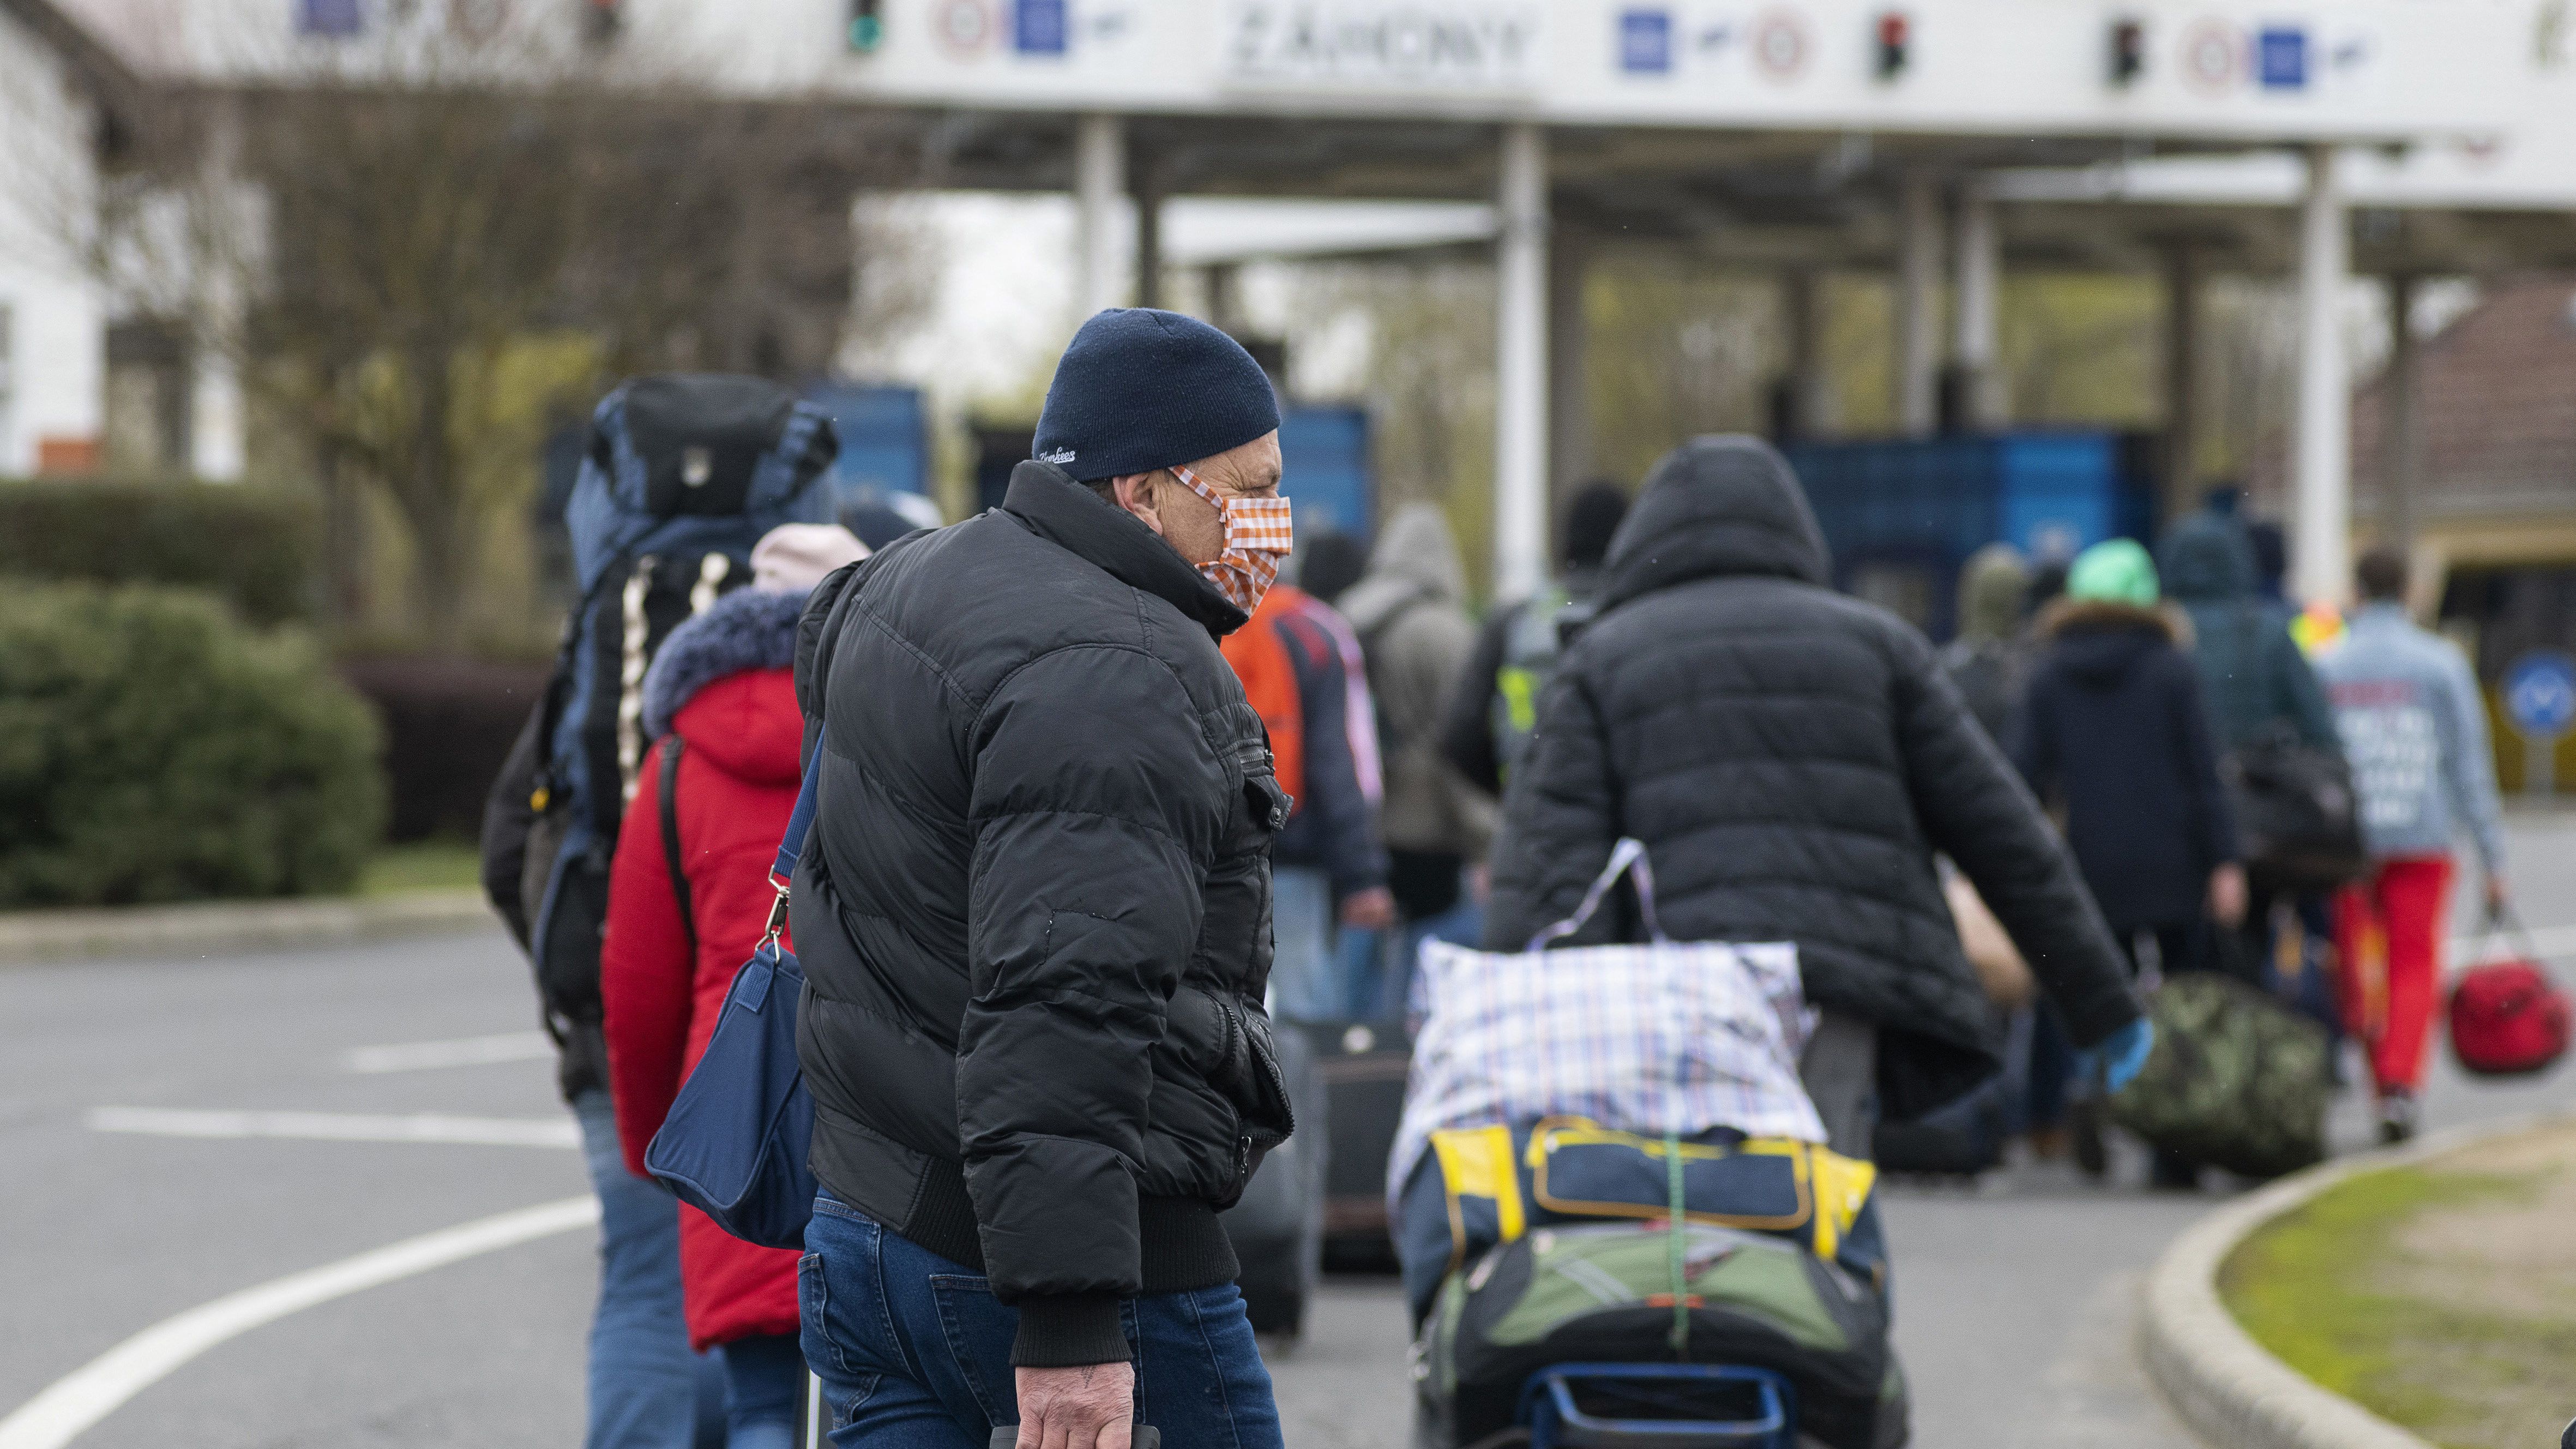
(734,1145)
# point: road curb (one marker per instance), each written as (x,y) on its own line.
(218,928)
(2228,1388)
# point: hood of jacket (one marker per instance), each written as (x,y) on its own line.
(1415,558)
(696,684)
(2207,558)
(1992,589)
(2098,641)
(1712,508)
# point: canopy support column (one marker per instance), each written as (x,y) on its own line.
(1520,381)
(1569,261)
(2182,380)
(1979,272)
(2402,445)
(1918,273)
(1099,181)
(1149,231)
(2322,518)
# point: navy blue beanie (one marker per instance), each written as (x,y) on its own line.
(1141,389)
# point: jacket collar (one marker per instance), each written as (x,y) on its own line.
(1063,512)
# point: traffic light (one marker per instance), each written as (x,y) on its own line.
(867,25)
(601,20)
(1894,33)
(2128,50)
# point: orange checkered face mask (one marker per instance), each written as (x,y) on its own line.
(1258,532)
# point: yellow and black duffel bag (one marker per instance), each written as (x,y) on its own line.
(1482,1187)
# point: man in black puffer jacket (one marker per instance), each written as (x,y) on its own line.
(1034,918)
(1792,759)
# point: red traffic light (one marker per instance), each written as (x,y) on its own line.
(1895,30)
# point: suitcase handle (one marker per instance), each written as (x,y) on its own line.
(1005,1436)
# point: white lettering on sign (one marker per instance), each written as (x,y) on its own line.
(1466,45)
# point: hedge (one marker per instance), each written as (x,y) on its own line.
(152,748)
(449,724)
(256,548)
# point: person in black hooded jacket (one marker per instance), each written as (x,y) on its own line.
(1792,759)
(2113,728)
(1034,920)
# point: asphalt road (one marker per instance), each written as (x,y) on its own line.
(2014,1298)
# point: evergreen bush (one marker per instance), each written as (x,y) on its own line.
(256,548)
(153,748)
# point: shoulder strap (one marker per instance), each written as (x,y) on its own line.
(791,847)
(672,745)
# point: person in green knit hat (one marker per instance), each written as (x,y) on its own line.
(2112,733)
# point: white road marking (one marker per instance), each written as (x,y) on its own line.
(338,1126)
(72,1404)
(471,1051)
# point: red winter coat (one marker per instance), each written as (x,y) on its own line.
(737,786)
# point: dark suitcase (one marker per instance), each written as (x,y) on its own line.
(1277,1228)
(1362,1066)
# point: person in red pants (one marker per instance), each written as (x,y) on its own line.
(2415,727)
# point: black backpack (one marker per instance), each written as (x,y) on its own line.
(683,474)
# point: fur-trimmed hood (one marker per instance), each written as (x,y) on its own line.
(2100,641)
(746,629)
(2066,616)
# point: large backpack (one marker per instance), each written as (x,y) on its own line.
(683,474)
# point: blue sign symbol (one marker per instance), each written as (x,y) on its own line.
(1039,28)
(330,17)
(1645,42)
(2540,694)
(2281,59)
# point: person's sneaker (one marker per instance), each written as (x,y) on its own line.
(2084,1124)
(2396,1117)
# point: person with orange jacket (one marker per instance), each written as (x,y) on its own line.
(1299,663)
(688,899)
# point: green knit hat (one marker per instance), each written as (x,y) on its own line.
(2115,572)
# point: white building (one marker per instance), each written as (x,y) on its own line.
(60,93)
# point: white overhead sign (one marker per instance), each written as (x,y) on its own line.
(2223,70)
(1372,45)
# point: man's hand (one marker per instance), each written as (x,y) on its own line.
(2499,893)
(2227,895)
(1369,910)
(1091,1407)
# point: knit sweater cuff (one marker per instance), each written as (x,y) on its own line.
(1070,1330)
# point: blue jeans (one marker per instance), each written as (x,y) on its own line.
(643,1379)
(764,1392)
(915,1352)
(1305,969)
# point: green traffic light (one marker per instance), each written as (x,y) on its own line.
(867,32)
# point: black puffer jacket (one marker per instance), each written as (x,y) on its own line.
(1034,915)
(2113,728)
(1791,758)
